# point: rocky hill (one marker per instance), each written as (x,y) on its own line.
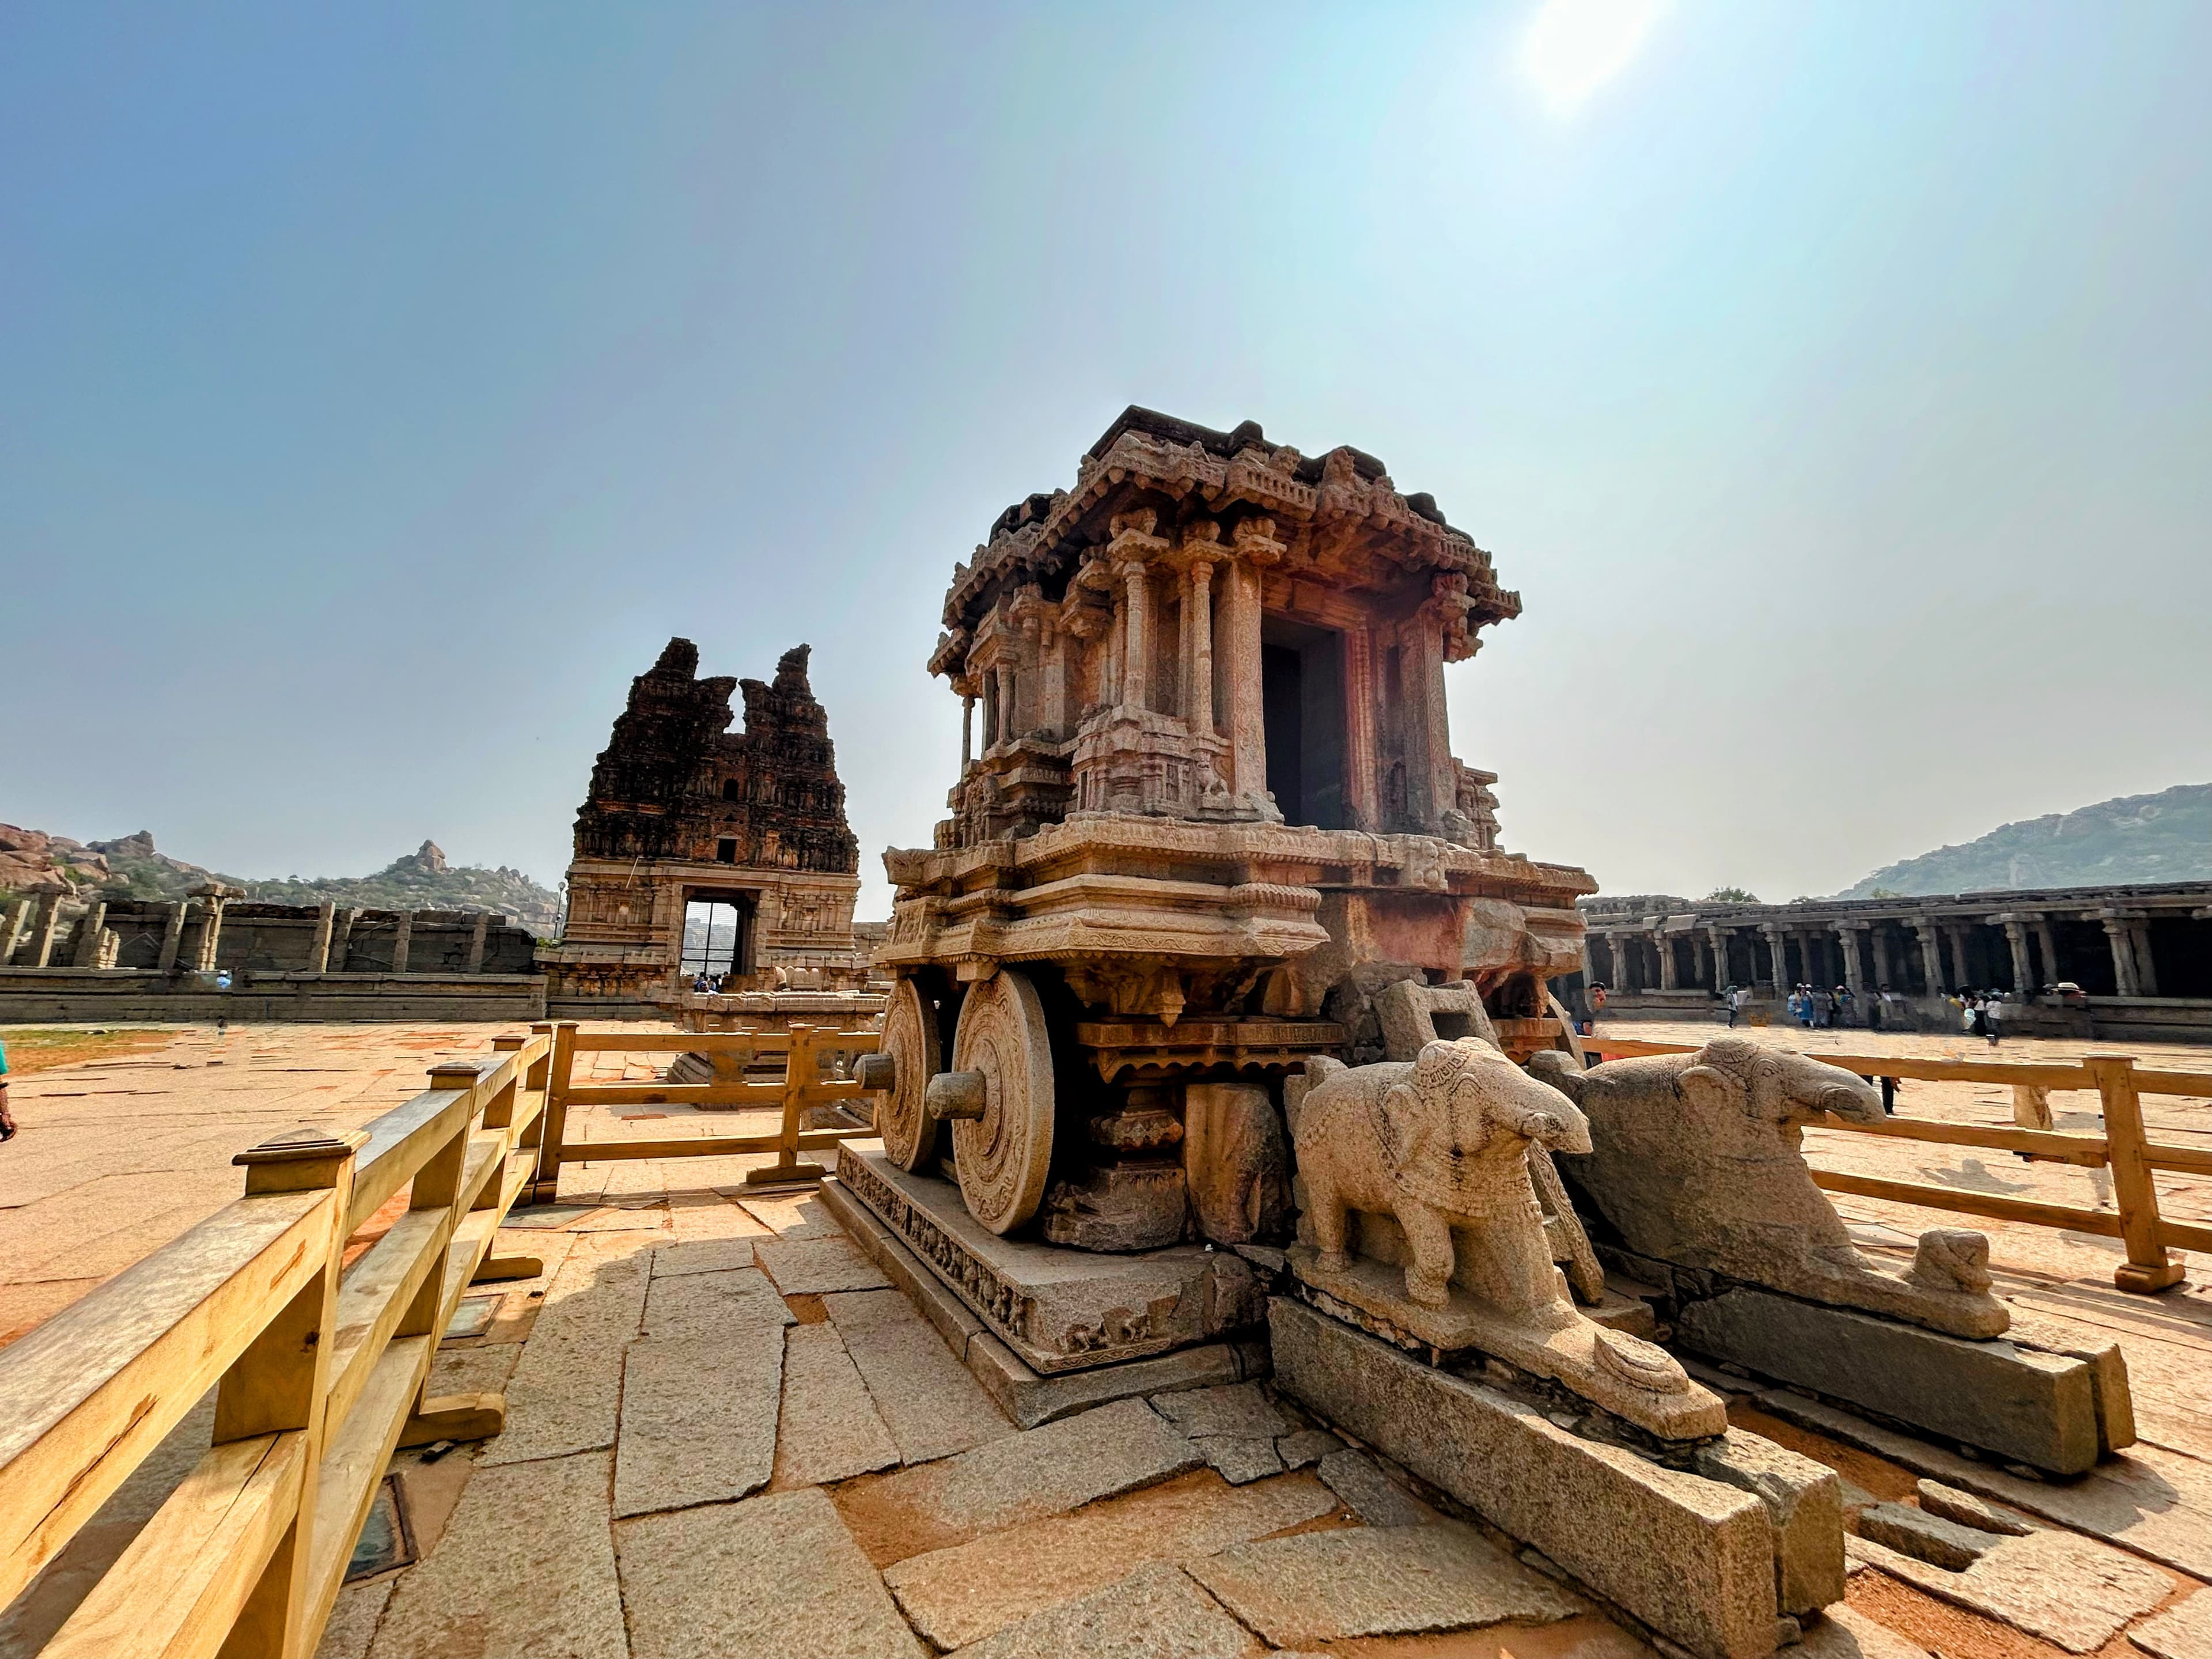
(421,880)
(2132,839)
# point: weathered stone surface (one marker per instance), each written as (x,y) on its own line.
(1118,1207)
(1057,1309)
(1803,1499)
(2108,1370)
(1968,1511)
(566,1391)
(2066,1589)
(2184,1633)
(1237,1459)
(2157,1502)
(704,1304)
(1845,1633)
(1240,1409)
(817,1266)
(803,1215)
(541,1525)
(1237,1162)
(1335,1586)
(830,1429)
(1156,1613)
(1367,1492)
(931,1404)
(771,1577)
(1926,1537)
(353,1618)
(1307,1447)
(1690,1557)
(699,1417)
(963,1593)
(1694,1160)
(1023,1477)
(1030,1399)
(2026,1407)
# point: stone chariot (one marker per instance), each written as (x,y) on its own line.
(1215,818)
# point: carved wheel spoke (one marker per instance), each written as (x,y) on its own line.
(909,1038)
(1003,1155)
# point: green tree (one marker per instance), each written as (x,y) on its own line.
(1731,896)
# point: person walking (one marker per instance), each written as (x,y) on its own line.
(1734,1004)
(1845,1001)
(1993,1013)
(1824,1011)
(7,1118)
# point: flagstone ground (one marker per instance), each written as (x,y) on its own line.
(724,1437)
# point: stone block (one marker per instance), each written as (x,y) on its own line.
(931,1403)
(2184,1633)
(1925,1537)
(1022,1477)
(775,1575)
(1339,1586)
(1307,1447)
(1237,1460)
(2152,1501)
(539,1529)
(965,1592)
(1846,1633)
(2069,1590)
(1057,1309)
(1155,1610)
(1693,1559)
(1137,1206)
(704,1304)
(1803,1499)
(565,1394)
(829,1429)
(1240,1409)
(1031,1400)
(699,1417)
(931,1297)
(1367,1492)
(1968,1511)
(816,1266)
(1237,1162)
(2024,1406)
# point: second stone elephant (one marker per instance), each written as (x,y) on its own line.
(1695,1161)
(1441,1143)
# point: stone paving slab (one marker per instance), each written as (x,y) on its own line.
(1843,1632)
(1367,1581)
(565,1394)
(1156,1613)
(1018,1478)
(965,1592)
(1240,1409)
(2066,1589)
(1238,1459)
(527,1566)
(2183,1633)
(699,1416)
(829,1430)
(932,1406)
(1370,1494)
(699,1305)
(817,1266)
(800,1216)
(773,1577)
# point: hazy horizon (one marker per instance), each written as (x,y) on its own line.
(383,390)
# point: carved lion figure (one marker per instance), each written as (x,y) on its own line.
(1439,1142)
(1694,1159)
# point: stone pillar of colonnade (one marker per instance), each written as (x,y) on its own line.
(1777,960)
(1669,975)
(2146,969)
(173,933)
(1009,725)
(1701,961)
(1931,955)
(967,733)
(44,924)
(1136,620)
(2047,941)
(2123,957)
(1719,942)
(2023,974)
(477,935)
(1847,940)
(210,933)
(86,954)
(319,951)
(341,940)
(12,930)
(1239,640)
(1198,650)
(1885,969)
(403,939)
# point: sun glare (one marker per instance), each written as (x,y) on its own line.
(1575,47)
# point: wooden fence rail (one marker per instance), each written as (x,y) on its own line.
(801,1087)
(2125,1147)
(319,1367)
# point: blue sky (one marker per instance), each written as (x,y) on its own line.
(381,387)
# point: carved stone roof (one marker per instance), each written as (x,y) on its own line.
(1338,514)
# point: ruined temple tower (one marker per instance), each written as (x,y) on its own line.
(704,850)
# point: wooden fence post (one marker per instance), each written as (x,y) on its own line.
(800,1074)
(546,1189)
(281,1384)
(2147,1268)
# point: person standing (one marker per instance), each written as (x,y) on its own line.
(1992,1017)
(1845,1001)
(7,1118)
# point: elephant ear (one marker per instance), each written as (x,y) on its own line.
(1712,1094)
(1414,1125)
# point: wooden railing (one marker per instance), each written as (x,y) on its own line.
(802,1086)
(319,1369)
(2125,1147)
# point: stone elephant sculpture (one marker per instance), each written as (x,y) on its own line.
(1695,1160)
(1439,1142)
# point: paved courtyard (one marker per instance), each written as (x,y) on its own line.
(727,1433)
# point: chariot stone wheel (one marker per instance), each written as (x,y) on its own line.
(909,1038)
(1002,1155)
